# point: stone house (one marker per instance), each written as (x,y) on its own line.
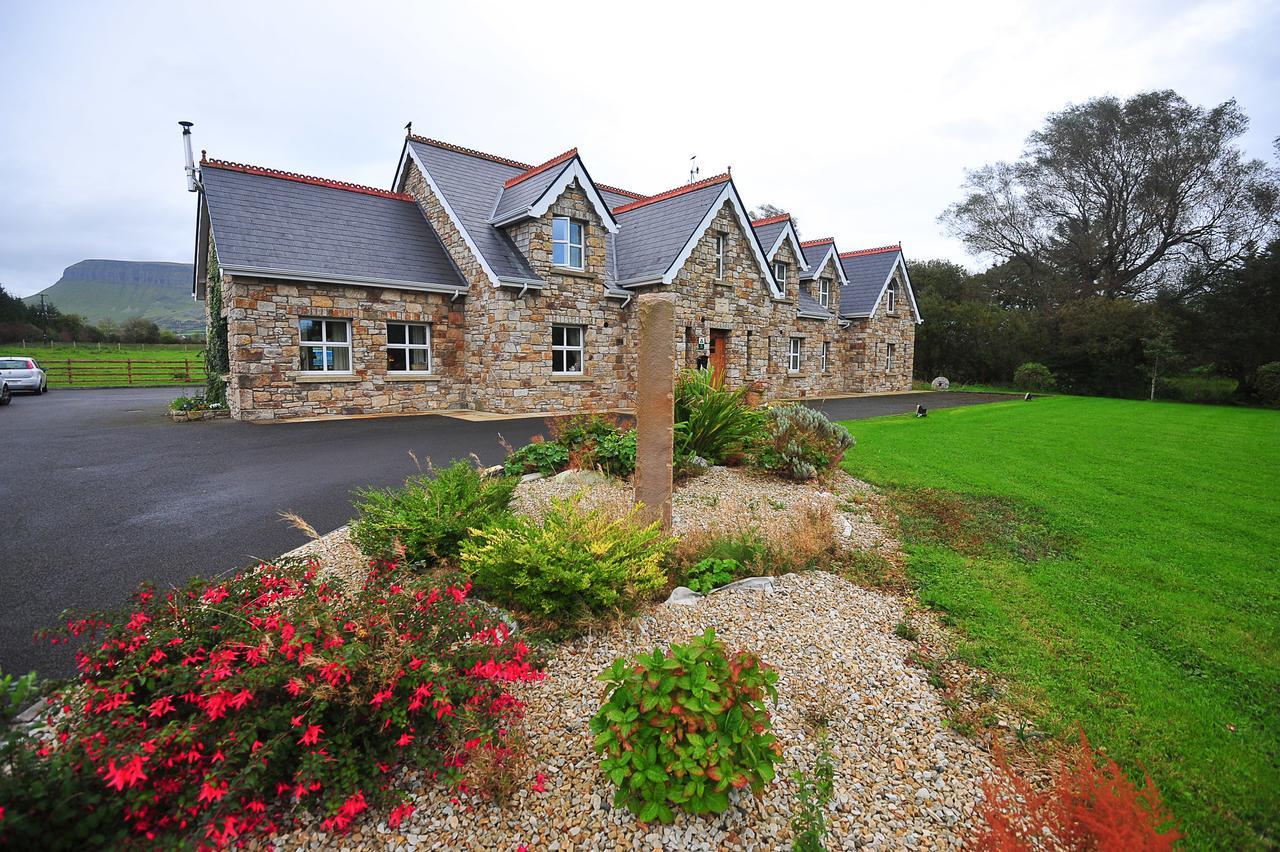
(478,282)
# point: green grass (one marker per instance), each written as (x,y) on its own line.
(1129,583)
(102,364)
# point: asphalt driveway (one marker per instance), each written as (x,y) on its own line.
(99,491)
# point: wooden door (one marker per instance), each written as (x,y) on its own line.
(716,361)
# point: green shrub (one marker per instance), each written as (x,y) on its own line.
(711,574)
(1033,376)
(802,443)
(574,564)
(428,517)
(682,728)
(615,453)
(544,457)
(581,430)
(813,793)
(710,422)
(1267,383)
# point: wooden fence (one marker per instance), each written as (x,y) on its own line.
(128,372)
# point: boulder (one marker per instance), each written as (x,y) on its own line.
(683,596)
(941,383)
(580,477)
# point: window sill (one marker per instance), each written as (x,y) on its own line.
(570,272)
(571,377)
(412,377)
(326,378)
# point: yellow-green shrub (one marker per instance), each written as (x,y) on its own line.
(575,563)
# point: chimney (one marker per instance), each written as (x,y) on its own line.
(192,185)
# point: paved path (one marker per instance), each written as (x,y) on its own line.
(99,491)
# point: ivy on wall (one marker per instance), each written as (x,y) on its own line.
(217,356)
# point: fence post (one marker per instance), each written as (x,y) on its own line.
(186,369)
(128,371)
(70,380)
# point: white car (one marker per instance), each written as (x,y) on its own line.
(23,374)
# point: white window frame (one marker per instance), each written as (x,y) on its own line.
(795,351)
(889,352)
(826,355)
(824,292)
(408,347)
(325,343)
(891,297)
(581,348)
(568,243)
(780,271)
(720,243)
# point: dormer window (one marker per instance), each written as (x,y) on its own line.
(720,240)
(891,298)
(824,292)
(781,271)
(567,245)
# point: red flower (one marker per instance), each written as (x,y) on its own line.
(379,697)
(398,814)
(296,721)
(162,705)
(215,595)
(538,786)
(312,736)
(126,775)
(404,740)
(293,687)
(211,792)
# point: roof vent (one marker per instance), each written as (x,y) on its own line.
(192,185)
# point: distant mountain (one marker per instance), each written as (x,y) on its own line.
(119,289)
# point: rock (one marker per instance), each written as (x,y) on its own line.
(940,383)
(753,584)
(580,477)
(496,470)
(683,596)
(531,477)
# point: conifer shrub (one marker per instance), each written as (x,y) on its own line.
(683,728)
(425,520)
(801,443)
(572,565)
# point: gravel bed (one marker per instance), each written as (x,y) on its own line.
(902,778)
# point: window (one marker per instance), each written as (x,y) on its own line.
(824,292)
(793,363)
(780,271)
(408,347)
(826,354)
(888,358)
(719,257)
(891,298)
(325,345)
(566,242)
(566,349)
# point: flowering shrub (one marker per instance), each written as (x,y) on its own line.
(1091,805)
(802,443)
(683,728)
(208,713)
(573,564)
(427,519)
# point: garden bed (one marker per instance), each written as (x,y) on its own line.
(902,779)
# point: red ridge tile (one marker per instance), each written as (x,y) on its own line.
(817,242)
(205,162)
(755,223)
(672,193)
(553,162)
(877,250)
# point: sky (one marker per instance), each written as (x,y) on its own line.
(859,118)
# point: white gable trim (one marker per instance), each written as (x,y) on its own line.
(444,202)
(575,171)
(730,193)
(906,280)
(789,232)
(817,267)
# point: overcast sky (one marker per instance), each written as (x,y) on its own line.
(860,118)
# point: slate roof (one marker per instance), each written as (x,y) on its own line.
(814,254)
(514,199)
(867,271)
(809,308)
(471,185)
(651,235)
(281,221)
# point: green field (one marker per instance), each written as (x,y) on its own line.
(115,364)
(1136,591)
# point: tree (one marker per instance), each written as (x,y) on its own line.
(139,330)
(1160,354)
(1118,199)
(768,211)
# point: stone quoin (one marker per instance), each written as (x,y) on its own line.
(478,282)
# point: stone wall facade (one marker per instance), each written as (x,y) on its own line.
(492,348)
(872,338)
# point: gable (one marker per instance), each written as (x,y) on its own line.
(530,195)
(774,233)
(869,272)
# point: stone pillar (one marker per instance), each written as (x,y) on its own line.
(655,405)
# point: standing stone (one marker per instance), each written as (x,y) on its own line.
(655,405)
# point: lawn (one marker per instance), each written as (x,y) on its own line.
(115,364)
(1156,624)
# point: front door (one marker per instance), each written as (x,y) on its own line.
(716,361)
